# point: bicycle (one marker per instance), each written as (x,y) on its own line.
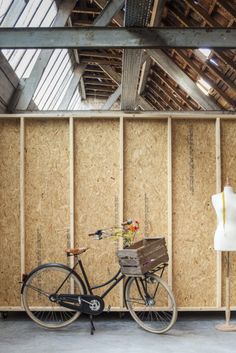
(54,295)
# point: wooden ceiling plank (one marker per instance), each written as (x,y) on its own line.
(182,79)
(205,77)
(175,89)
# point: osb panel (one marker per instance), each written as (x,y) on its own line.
(194,259)
(228,155)
(97,196)
(9,213)
(46,191)
(145,175)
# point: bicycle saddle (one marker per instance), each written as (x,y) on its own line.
(75,251)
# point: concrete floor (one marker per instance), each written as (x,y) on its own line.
(115,334)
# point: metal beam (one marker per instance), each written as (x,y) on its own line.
(108,12)
(78,72)
(158,8)
(182,79)
(92,37)
(118,18)
(112,99)
(135,16)
(32,82)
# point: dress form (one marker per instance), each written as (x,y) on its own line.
(225,239)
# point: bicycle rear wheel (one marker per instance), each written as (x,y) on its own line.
(151,303)
(44,282)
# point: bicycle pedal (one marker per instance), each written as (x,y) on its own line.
(108,308)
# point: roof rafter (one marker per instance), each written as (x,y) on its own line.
(182,79)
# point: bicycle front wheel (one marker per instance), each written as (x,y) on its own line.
(40,285)
(151,303)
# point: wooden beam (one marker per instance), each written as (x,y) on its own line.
(78,72)
(72,192)
(138,38)
(226,6)
(109,11)
(201,73)
(111,73)
(169,202)
(143,103)
(218,190)
(32,82)
(112,99)
(168,94)
(87,10)
(167,82)
(94,54)
(182,79)
(202,13)
(22,197)
(98,61)
(163,98)
(121,194)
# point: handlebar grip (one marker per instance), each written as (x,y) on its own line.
(127,223)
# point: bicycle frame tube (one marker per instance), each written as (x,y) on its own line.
(115,279)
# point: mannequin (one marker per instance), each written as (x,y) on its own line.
(225,238)
(225,207)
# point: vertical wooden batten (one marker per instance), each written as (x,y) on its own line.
(22,196)
(121,193)
(72,189)
(169,196)
(218,190)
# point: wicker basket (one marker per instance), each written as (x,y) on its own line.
(143,256)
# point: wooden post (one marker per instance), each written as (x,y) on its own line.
(72,202)
(227,326)
(22,197)
(169,191)
(218,190)
(121,195)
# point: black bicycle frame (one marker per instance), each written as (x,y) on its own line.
(113,281)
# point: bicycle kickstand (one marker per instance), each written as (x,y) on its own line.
(92,325)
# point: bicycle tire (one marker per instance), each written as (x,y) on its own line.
(44,281)
(142,295)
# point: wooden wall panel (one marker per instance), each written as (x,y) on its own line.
(194,182)
(9,213)
(46,191)
(145,174)
(97,196)
(228,156)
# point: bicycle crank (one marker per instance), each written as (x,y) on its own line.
(87,304)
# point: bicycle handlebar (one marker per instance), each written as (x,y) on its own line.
(99,233)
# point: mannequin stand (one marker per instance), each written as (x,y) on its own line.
(227,326)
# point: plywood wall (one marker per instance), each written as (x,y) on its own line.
(228,148)
(194,182)
(99,148)
(97,196)
(9,213)
(46,191)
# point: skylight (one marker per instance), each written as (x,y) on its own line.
(204,86)
(206,52)
(59,70)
